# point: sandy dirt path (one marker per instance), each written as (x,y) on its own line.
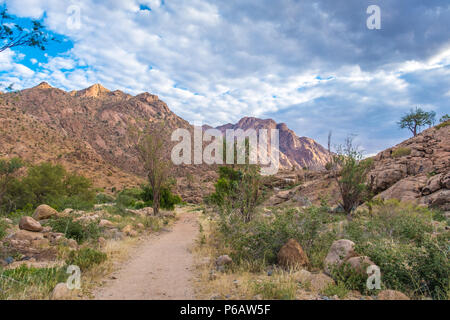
(161,268)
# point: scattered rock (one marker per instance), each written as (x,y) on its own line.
(106,224)
(102,241)
(140,226)
(44,212)
(302,276)
(340,251)
(319,281)
(129,231)
(223,260)
(26,235)
(291,255)
(29,224)
(8,221)
(61,292)
(392,295)
(39,244)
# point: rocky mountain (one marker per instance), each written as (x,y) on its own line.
(416,170)
(84,130)
(297,152)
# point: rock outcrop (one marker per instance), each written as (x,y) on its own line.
(416,170)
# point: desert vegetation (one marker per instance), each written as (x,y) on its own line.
(51,219)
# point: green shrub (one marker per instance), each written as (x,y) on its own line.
(52,185)
(75,229)
(262,238)
(443,124)
(339,289)
(168,199)
(85,258)
(398,238)
(237,192)
(3,227)
(349,278)
(401,152)
(101,198)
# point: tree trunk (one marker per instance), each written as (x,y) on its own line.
(156,202)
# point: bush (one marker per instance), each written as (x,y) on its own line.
(351,175)
(399,239)
(3,227)
(237,192)
(261,239)
(401,152)
(339,289)
(85,258)
(103,198)
(168,200)
(52,185)
(75,229)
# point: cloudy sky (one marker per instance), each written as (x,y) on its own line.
(311,64)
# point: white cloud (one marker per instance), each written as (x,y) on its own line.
(218,61)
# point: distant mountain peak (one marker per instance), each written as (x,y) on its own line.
(294,151)
(43,85)
(94,91)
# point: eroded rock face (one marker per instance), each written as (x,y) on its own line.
(340,251)
(29,224)
(44,212)
(292,256)
(421,173)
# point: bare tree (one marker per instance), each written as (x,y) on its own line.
(151,148)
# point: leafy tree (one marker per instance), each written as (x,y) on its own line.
(416,119)
(13,34)
(350,172)
(49,184)
(238,191)
(444,118)
(8,172)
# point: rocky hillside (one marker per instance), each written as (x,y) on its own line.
(87,132)
(297,152)
(417,169)
(84,130)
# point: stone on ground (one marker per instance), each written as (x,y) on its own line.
(291,255)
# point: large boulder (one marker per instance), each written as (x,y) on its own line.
(315,281)
(44,212)
(29,224)
(26,235)
(292,256)
(408,189)
(340,251)
(360,264)
(392,295)
(438,199)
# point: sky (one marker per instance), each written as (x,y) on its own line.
(314,65)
